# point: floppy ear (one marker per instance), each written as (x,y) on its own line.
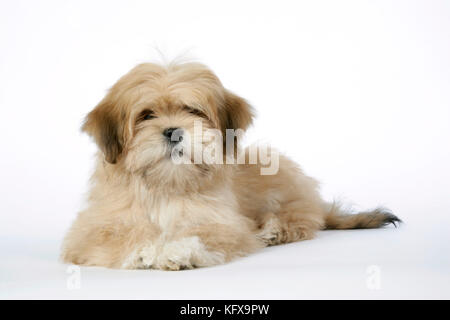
(105,125)
(236,113)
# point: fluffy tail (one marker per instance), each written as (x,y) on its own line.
(377,218)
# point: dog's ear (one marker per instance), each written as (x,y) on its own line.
(105,125)
(236,113)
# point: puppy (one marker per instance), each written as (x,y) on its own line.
(146,210)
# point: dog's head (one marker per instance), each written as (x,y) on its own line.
(152,112)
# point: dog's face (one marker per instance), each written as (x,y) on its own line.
(154,113)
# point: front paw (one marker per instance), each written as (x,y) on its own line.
(186,253)
(174,256)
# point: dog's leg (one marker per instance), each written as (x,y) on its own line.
(227,241)
(199,246)
(182,253)
(107,245)
(294,221)
(269,229)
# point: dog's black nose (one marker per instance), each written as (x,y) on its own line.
(168,132)
(174,135)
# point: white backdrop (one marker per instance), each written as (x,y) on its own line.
(356,91)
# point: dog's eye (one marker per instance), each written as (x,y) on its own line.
(146,115)
(195,112)
(149,116)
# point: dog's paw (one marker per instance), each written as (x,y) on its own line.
(141,259)
(271,232)
(176,255)
(186,253)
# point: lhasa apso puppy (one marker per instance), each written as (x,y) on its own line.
(172,188)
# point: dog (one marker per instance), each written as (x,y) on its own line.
(145,211)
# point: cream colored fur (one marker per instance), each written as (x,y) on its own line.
(146,212)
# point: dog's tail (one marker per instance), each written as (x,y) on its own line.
(338,218)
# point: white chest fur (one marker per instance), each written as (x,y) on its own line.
(164,212)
